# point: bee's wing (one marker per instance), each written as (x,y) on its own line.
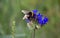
(25,11)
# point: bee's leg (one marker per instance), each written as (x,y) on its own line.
(25,17)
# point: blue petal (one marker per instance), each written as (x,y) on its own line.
(45,20)
(35,11)
(39,16)
(27,20)
(42,22)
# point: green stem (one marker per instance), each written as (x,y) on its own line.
(33,33)
(13,29)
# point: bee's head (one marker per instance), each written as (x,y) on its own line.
(25,11)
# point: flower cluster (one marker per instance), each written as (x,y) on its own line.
(40,18)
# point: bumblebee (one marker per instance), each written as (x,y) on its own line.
(29,17)
(32,16)
(28,14)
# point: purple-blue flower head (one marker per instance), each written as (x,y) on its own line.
(42,20)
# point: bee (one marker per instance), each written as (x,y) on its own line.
(32,16)
(28,14)
(29,17)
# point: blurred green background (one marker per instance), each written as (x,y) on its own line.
(12,25)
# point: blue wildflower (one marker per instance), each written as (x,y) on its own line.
(40,17)
(42,21)
(35,11)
